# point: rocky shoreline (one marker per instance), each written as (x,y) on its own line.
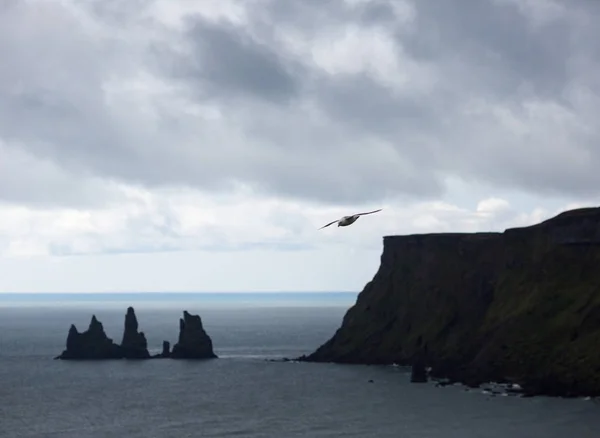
(94,344)
(520,308)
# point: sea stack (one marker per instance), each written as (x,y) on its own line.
(193,341)
(165,353)
(166,349)
(134,344)
(92,344)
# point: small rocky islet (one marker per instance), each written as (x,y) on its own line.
(94,344)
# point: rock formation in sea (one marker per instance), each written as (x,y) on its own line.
(92,344)
(419,367)
(193,342)
(166,351)
(134,344)
(521,306)
(418,373)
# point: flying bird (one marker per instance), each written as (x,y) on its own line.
(348,220)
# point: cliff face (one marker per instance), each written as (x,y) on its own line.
(520,306)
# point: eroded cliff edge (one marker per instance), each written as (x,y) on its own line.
(521,306)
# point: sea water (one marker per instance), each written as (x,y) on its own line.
(240,394)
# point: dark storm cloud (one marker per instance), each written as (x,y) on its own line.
(289,127)
(495,53)
(309,14)
(377,12)
(492,45)
(225,61)
(491,50)
(369,107)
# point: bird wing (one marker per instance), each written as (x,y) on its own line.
(369,212)
(330,223)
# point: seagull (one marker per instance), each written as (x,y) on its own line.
(348,220)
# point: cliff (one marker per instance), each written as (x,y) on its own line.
(521,306)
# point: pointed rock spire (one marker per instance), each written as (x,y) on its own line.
(134,344)
(90,344)
(193,341)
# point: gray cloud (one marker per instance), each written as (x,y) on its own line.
(241,107)
(492,46)
(25,178)
(225,62)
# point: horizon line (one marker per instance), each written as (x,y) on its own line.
(175,292)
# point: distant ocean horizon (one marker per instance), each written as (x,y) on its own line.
(264,298)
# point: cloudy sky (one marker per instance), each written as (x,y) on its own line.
(197,146)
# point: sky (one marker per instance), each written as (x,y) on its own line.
(171,145)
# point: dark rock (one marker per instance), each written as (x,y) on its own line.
(444,382)
(92,344)
(134,344)
(193,342)
(166,349)
(490,307)
(281,359)
(165,353)
(418,373)
(419,369)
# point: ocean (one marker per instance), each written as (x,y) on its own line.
(240,394)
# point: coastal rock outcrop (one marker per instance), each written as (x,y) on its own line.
(166,351)
(418,373)
(521,306)
(90,344)
(419,370)
(134,344)
(193,341)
